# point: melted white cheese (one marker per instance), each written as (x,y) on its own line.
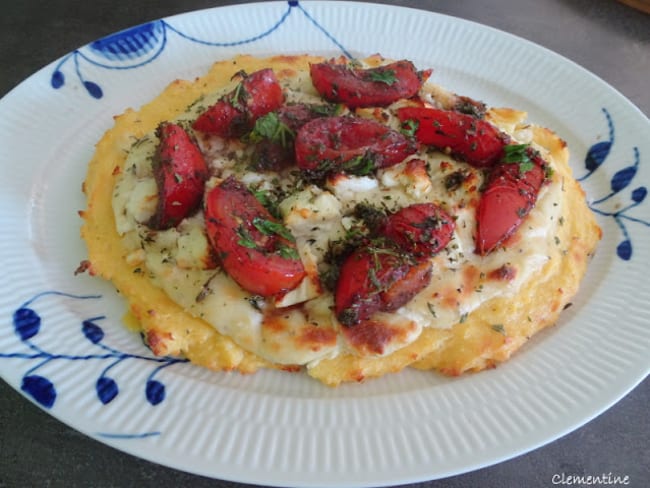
(177,260)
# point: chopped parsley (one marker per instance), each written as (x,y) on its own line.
(238,97)
(498,328)
(263,196)
(360,166)
(386,76)
(288,252)
(270,127)
(409,127)
(372,275)
(373,217)
(245,239)
(326,110)
(268,227)
(519,154)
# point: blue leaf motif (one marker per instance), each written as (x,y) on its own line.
(93,89)
(597,155)
(27,323)
(130,43)
(57,80)
(92,331)
(639,194)
(106,389)
(622,178)
(40,389)
(155,392)
(624,250)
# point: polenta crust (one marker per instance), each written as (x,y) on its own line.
(486,337)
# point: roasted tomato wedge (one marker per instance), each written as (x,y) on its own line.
(254,248)
(235,113)
(473,140)
(349,144)
(180,173)
(424,229)
(372,87)
(377,278)
(510,194)
(403,290)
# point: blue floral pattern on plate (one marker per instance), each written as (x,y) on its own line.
(27,323)
(622,179)
(141,45)
(126,50)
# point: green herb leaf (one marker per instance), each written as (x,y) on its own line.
(409,127)
(288,252)
(518,153)
(360,166)
(548,172)
(262,196)
(238,96)
(380,248)
(386,76)
(326,110)
(245,239)
(527,166)
(268,227)
(269,199)
(372,275)
(499,328)
(270,127)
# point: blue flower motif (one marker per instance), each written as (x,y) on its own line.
(132,44)
(141,45)
(622,179)
(27,324)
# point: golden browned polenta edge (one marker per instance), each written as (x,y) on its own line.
(167,328)
(469,346)
(500,326)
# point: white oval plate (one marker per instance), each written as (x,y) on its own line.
(66,349)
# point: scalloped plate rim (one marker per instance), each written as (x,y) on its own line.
(138,447)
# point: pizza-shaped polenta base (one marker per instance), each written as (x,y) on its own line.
(300,213)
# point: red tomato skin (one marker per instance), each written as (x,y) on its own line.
(509,196)
(230,209)
(265,93)
(327,143)
(357,294)
(377,280)
(235,113)
(222,119)
(359,87)
(405,289)
(472,140)
(180,172)
(423,229)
